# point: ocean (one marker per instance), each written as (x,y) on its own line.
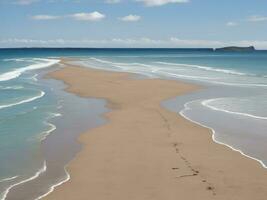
(37,142)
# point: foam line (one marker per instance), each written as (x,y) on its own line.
(42,93)
(47,133)
(52,188)
(158,70)
(8,179)
(186,107)
(36,175)
(42,63)
(206,104)
(205,68)
(187,76)
(15,87)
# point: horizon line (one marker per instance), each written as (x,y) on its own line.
(200,48)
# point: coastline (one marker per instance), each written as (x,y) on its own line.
(177,158)
(58,144)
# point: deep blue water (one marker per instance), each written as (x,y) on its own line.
(234,102)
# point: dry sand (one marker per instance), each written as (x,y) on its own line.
(145,152)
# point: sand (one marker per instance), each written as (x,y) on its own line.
(145,152)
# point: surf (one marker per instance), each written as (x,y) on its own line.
(207,102)
(233,72)
(36,175)
(42,93)
(41,63)
(182,113)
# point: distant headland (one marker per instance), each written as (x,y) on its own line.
(238,49)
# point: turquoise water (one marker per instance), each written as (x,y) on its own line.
(239,71)
(26,112)
(39,123)
(32,120)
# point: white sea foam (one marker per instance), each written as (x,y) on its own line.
(52,128)
(44,134)
(207,102)
(3,196)
(52,188)
(14,87)
(186,76)
(34,77)
(182,113)
(8,179)
(233,72)
(14,59)
(56,115)
(160,70)
(240,84)
(118,63)
(173,56)
(145,71)
(41,63)
(42,93)
(100,60)
(10,75)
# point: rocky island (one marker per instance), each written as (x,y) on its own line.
(238,49)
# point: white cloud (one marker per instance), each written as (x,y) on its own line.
(25,2)
(93,16)
(45,17)
(161,2)
(130,18)
(231,24)
(257,18)
(113,1)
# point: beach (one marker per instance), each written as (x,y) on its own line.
(147,152)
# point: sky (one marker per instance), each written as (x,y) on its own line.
(133,23)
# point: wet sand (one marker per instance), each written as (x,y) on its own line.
(147,152)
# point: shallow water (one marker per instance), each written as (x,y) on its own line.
(39,126)
(59,148)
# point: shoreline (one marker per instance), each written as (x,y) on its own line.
(45,178)
(217,141)
(114,106)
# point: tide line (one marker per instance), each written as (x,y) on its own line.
(42,93)
(8,179)
(186,107)
(36,175)
(52,188)
(206,104)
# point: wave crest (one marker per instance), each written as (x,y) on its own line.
(42,93)
(41,63)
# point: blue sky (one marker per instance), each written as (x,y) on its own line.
(133,23)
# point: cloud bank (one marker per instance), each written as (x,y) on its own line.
(93,16)
(144,42)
